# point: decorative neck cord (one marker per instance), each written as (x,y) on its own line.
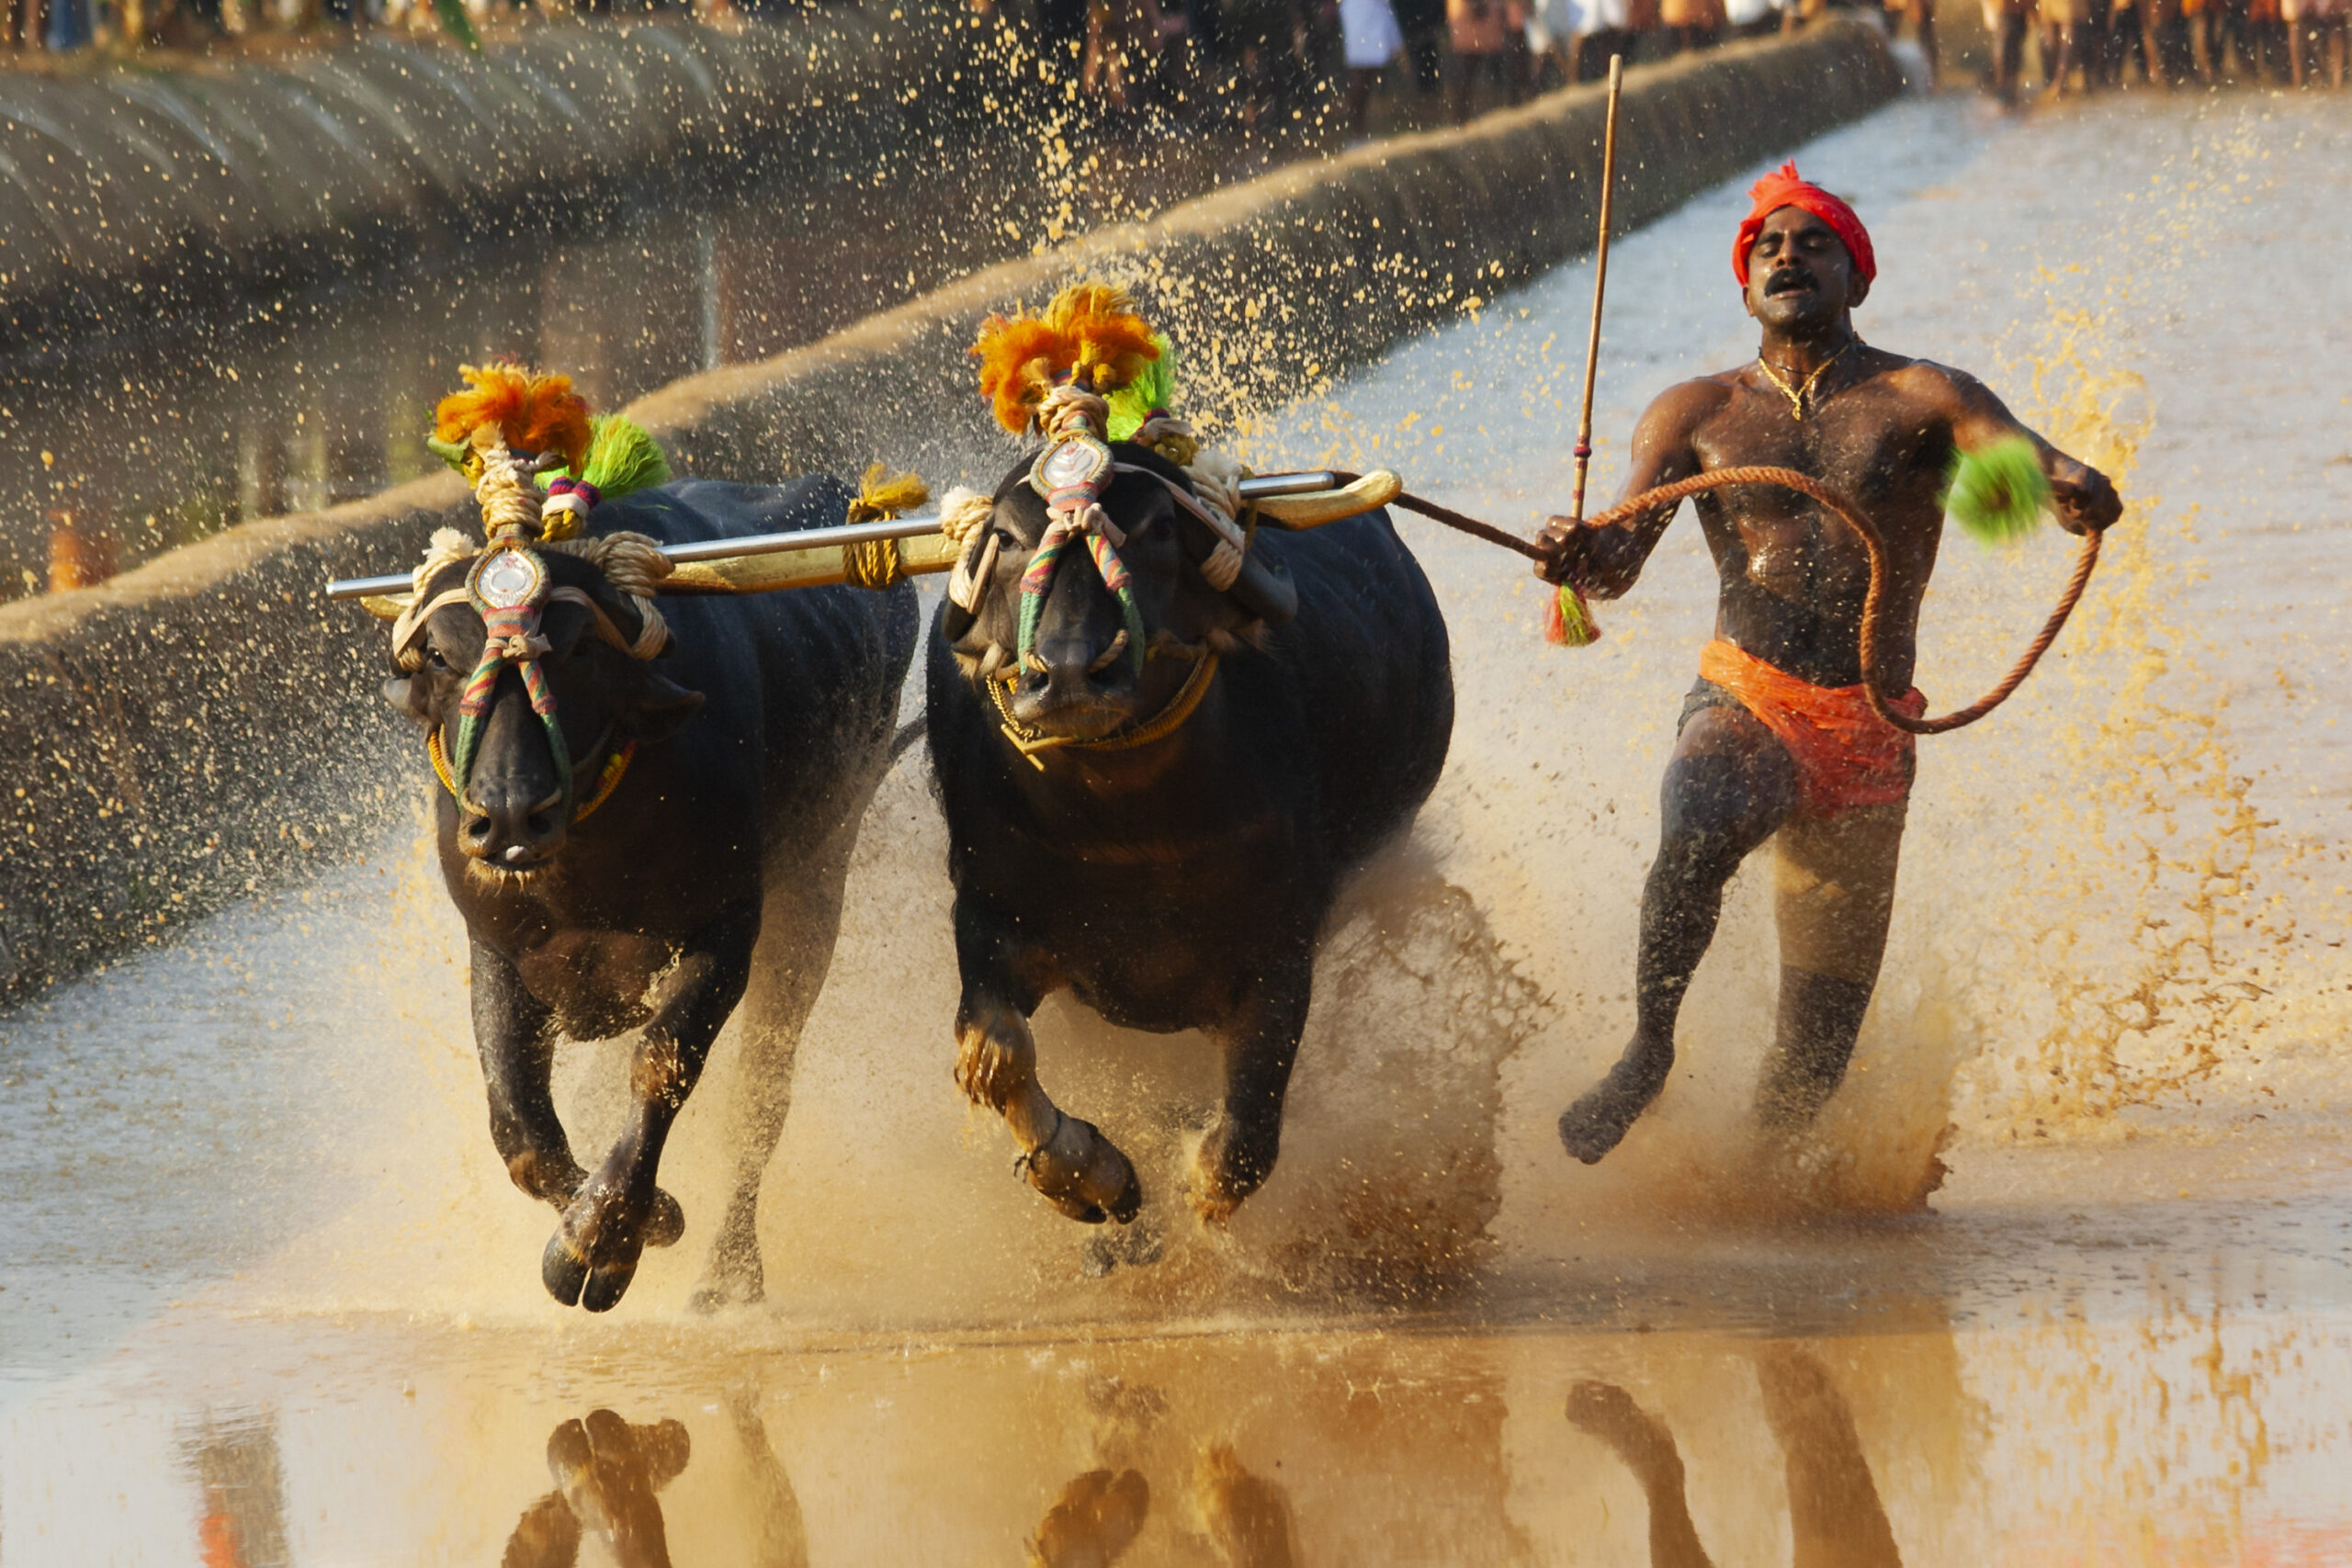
(1796,395)
(607,780)
(1166,722)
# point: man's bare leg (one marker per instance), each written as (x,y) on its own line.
(1728,787)
(1836,893)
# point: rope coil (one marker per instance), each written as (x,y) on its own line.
(1873,601)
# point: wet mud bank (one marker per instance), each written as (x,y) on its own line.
(137,193)
(205,723)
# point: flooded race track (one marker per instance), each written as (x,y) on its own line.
(2063,1277)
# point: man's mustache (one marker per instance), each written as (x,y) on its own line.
(1788,278)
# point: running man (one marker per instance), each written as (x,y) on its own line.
(1777,737)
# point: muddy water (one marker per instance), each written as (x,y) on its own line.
(2064,1278)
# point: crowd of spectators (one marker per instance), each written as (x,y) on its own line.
(1256,59)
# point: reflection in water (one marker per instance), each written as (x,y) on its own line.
(241,1522)
(606,1471)
(1247,1517)
(1094,1521)
(1835,1515)
(777,1538)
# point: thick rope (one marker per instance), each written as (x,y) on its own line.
(1874,602)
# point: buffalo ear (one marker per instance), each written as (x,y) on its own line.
(403,693)
(658,708)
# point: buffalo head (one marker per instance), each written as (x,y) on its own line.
(514,811)
(1084,676)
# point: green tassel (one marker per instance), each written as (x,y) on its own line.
(450,451)
(1568,620)
(1999,494)
(457,23)
(1155,389)
(622,458)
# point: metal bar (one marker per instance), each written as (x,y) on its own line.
(802,540)
(1255,488)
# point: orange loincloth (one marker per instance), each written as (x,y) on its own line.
(1844,754)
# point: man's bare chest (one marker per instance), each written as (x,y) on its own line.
(1865,441)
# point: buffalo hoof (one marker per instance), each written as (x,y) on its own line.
(1230,1165)
(1135,1246)
(593,1256)
(1082,1173)
(732,1282)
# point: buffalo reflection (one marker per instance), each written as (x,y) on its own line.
(606,1473)
(1244,1520)
(1835,1515)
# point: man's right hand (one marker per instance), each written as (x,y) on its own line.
(1566,544)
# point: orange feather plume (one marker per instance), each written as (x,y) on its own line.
(1090,329)
(1021,357)
(533,413)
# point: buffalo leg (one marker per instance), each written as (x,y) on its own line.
(619,1212)
(1261,1044)
(515,1033)
(797,934)
(1070,1162)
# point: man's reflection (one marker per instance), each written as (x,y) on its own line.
(1835,1515)
(606,1471)
(243,1520)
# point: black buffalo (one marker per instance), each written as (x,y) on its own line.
(713,874)
(1181,882)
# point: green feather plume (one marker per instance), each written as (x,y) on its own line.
(457,23)
(1999,494)
(1155,389)
(622,458)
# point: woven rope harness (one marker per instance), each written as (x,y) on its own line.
(1070,416)
(511,612)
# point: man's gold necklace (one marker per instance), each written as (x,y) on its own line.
(1796,395)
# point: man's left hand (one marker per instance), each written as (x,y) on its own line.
(2085,501)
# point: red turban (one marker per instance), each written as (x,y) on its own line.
(1785,188)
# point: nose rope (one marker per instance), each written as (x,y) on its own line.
(1072,473)
(514,639)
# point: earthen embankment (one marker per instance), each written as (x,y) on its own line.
(134,191)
